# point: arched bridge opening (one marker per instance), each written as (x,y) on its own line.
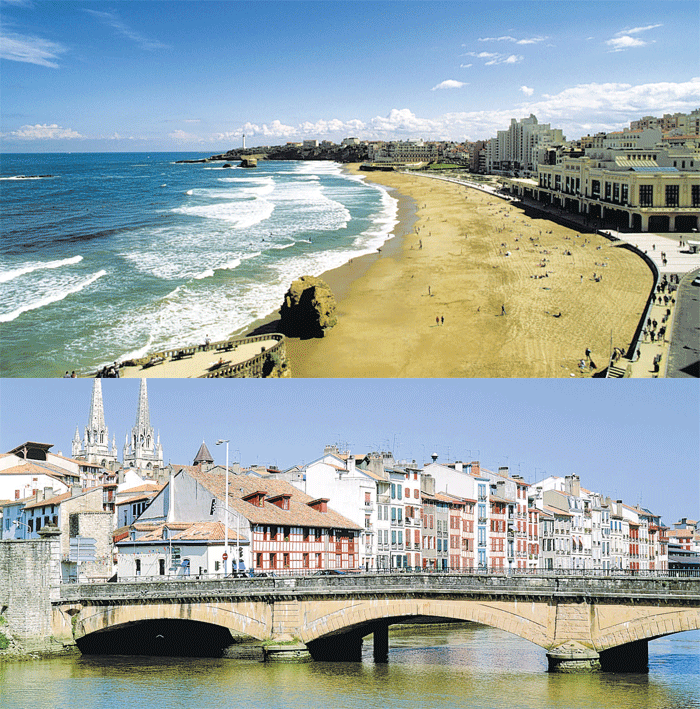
(159,637)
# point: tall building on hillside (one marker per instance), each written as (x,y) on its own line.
(95,448)
(143,450)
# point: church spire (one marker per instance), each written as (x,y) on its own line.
(142,451)
(95,448)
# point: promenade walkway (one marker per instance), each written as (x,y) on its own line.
(202,361)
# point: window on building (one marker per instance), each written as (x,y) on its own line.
(646,195)
(671,195)
(695,195)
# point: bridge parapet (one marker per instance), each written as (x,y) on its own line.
(596,587)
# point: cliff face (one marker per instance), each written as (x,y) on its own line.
(308,309)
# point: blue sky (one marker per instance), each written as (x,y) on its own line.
(151,75)
(634,440)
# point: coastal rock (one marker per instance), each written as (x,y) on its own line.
(308,309)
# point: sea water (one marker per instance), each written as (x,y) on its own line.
(109,256)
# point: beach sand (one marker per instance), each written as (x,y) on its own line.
(451,263)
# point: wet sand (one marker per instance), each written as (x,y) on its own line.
(468,255)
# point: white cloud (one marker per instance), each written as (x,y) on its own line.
(180,136)
(495,58)
(111,19)
(623,39)
(637,30)
(31,50)
(515,40)
(449,84)
(465,66)
(620,44)
(527,91)
(44,132)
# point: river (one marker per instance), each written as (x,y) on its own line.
(430,667)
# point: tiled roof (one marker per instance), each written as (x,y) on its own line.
(33,469)
(194,532)
(57,500)
(299,513)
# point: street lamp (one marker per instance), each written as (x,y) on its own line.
(220,441)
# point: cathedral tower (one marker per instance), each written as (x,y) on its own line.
(95,446)
(142,450)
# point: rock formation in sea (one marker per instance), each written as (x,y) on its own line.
(308,309)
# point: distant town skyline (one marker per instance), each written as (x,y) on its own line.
(638,442)
(163,76)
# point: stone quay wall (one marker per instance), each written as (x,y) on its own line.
(30,573)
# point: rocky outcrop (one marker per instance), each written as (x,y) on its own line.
(308,309)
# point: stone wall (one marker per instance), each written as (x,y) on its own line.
(29,581)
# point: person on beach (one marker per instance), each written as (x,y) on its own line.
(437,319)
(503,310)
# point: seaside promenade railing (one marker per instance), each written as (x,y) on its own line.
(251,367)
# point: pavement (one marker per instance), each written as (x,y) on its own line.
(201,362)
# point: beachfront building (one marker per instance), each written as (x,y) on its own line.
(680,123)
(403,152)
(95,446)
(519,148)
(142,450)
(638,189)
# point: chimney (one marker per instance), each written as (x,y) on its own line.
(48,493)
(503,470)
(476,468)
(170,514)
(351,464)
(459,467)
(434,456)
(501,488)
(572,485)
(75,490)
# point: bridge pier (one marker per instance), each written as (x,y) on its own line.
(631,657)
(573,657)
(338,648)
(380,638)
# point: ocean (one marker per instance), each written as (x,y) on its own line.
(109,256)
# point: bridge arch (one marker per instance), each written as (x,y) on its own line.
(247,618)
(527,619)
(654,622)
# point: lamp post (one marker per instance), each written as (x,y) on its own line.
(225,507)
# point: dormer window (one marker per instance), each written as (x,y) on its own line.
(281,501)
(256,498)
(320,505)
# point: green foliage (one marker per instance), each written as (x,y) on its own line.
(4,642)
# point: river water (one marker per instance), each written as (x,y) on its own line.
(432,667)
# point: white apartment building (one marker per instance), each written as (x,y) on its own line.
(517,149)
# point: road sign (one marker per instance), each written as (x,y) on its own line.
(224,556)
(82,549)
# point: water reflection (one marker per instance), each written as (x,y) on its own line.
(429,668)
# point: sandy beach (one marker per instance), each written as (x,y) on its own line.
(432,303)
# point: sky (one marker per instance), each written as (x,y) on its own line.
(636,440)
(152,75)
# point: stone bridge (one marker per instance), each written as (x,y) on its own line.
(583,623)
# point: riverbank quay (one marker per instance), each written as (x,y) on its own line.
(583,620)
(480,288)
